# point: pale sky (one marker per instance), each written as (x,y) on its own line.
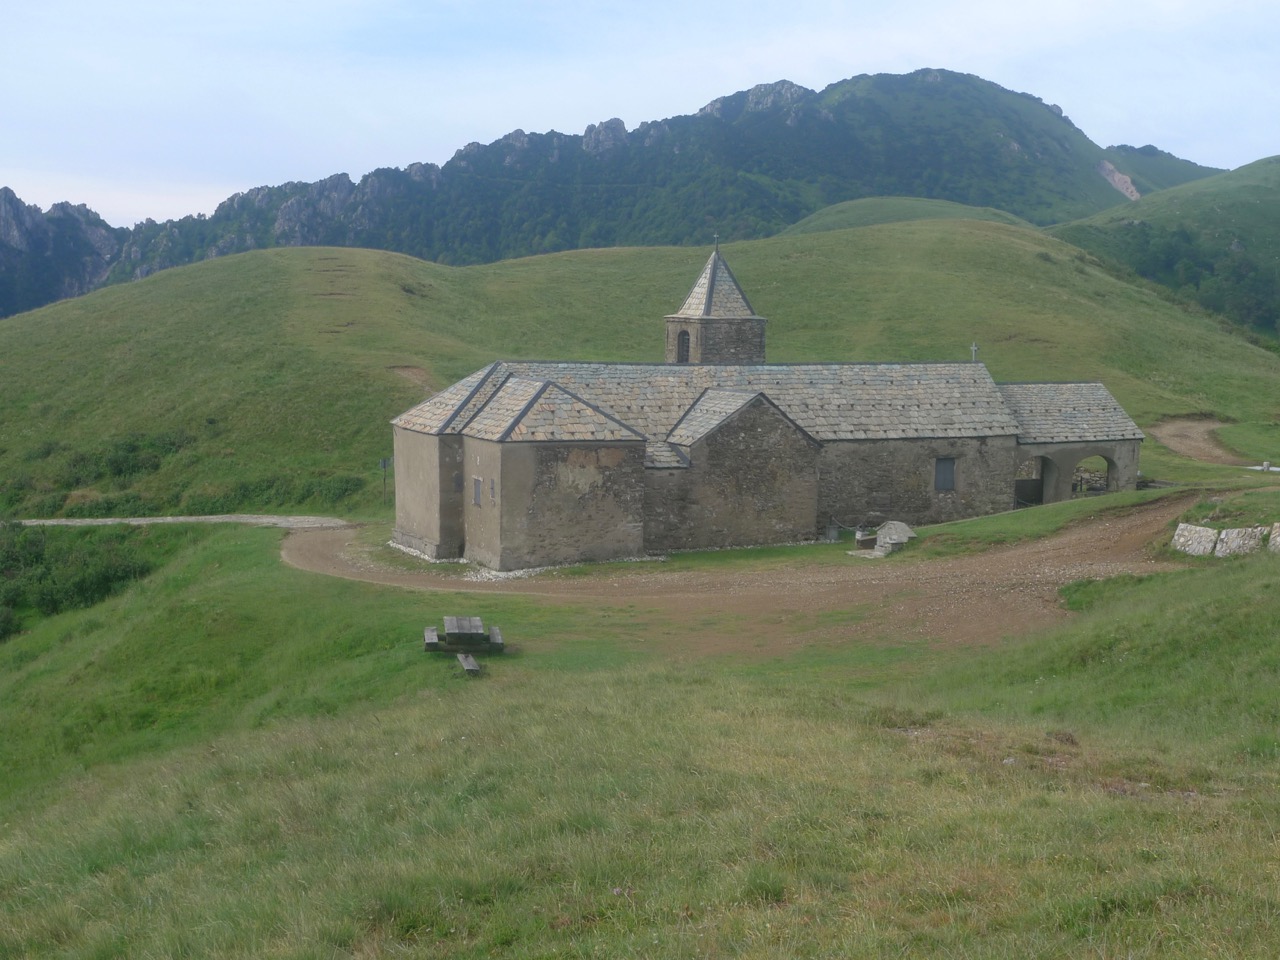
(162,108)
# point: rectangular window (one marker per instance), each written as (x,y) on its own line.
(477,490)
(493,489)
(944,473)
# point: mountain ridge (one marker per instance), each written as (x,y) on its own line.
(745,165)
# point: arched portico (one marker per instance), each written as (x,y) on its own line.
(1053,465)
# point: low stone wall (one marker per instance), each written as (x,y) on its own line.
(1205,541)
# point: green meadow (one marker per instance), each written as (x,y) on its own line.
(237,759)
(265,381)
(231,757)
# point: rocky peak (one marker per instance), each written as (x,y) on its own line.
(424,173)
(303,217)
(516,138)
(760,98)
(599,138)
(101,236)
(767,96)
(18,221)
(249,199)
(79,243)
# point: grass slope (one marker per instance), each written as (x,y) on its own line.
(266,380)
(877,210)
(234,758)
(1153,169)
(1236,206)
(1216,241)
(294,778)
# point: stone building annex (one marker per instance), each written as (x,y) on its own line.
(528,464)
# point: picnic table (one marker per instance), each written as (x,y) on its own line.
(462,635)
(464,630)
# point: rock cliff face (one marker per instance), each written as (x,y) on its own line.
(51,256)
(1120,181)
(600,138)
(18,221)
(762,98)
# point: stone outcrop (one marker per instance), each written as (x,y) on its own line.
(602,137)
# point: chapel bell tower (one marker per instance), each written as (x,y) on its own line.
(716,323)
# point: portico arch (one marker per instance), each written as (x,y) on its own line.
(1084,475)
(1054,466)
(1028,482)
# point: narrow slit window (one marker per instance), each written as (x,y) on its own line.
(477,490)
(944,474)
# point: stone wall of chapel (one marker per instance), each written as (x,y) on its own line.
(754,480)
(876,480)
(543,504)
(483,496)
(428,493)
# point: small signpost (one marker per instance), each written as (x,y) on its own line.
(384,463)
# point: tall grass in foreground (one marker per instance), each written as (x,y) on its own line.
(641,811)
(1183,663)
(307,783)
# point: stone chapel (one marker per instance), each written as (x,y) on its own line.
(525,464)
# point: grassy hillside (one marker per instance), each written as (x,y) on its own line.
(236,759)
(876,210)
(1215,241)
(1153,169)
(266,380)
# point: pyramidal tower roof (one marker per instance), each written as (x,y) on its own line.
(716,294)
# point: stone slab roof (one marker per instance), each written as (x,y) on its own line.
(716,294)
(830,401)
(436,414)
(1067,413)
(710,410)
(530,410)
(659,453)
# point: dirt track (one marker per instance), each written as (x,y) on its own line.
(1197,438)
(970,599)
